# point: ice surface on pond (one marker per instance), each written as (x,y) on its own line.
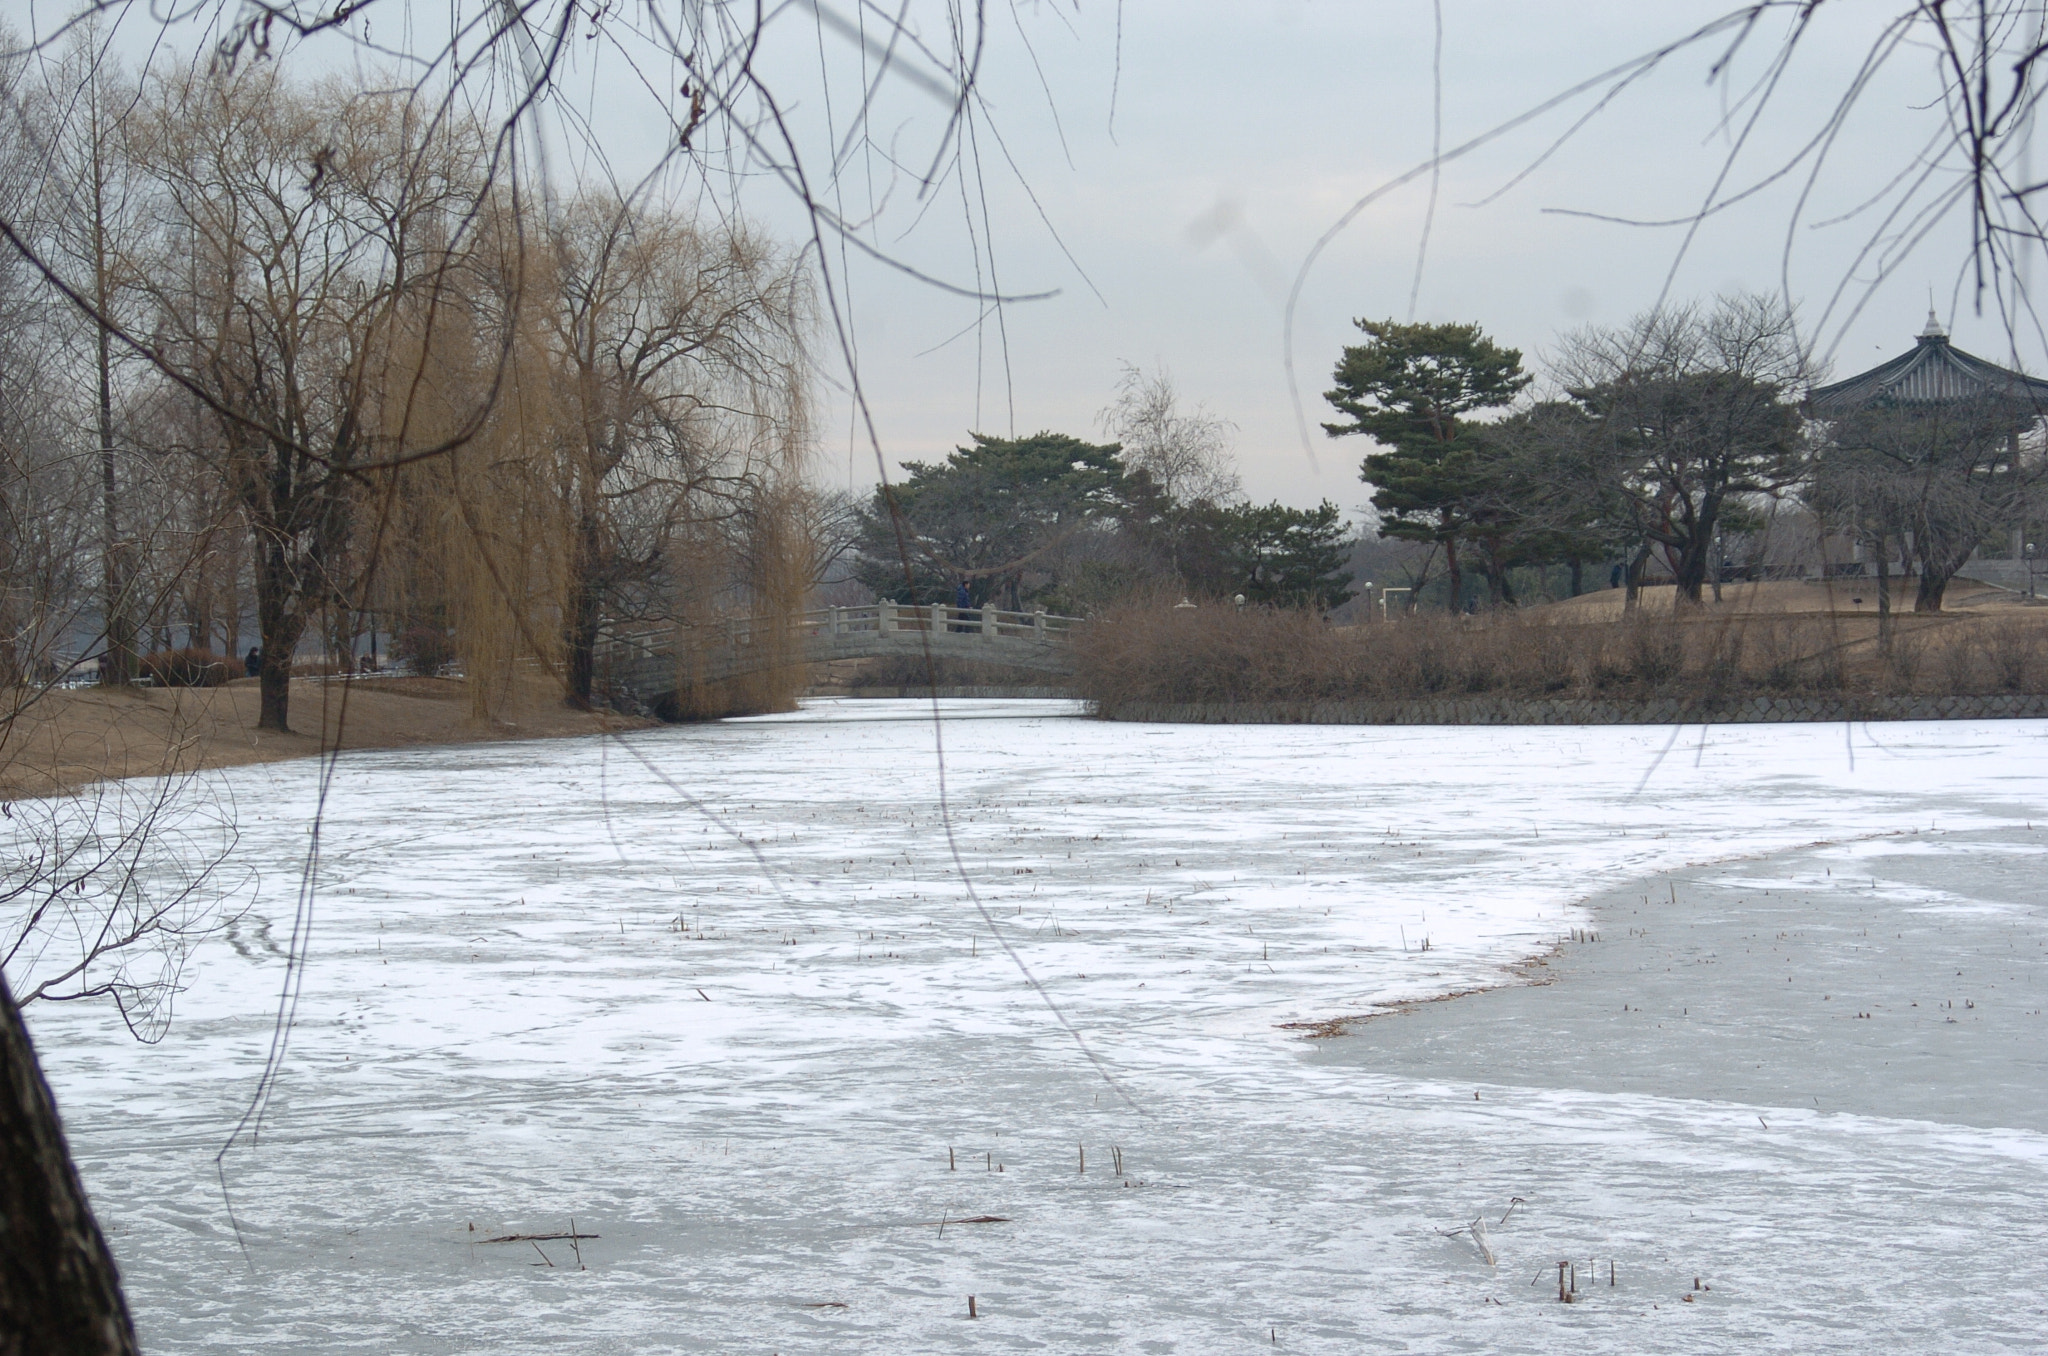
(720,994)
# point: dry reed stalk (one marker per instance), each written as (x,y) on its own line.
(1147,653)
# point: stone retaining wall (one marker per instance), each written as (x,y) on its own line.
(1583,711)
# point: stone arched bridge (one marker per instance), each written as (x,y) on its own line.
(650,665)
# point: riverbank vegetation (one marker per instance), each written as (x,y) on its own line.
(1157,654)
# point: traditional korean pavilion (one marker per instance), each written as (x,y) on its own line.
(1932,372)
(1936,372)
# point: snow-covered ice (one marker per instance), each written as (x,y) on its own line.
(720,994)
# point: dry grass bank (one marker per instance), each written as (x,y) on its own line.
(1847,596)
(1221,656)
(65,739)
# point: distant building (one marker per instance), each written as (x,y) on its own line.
(1932,372)
(1936,372)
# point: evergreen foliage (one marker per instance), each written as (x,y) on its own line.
(1273,555)
(1411,389)
(991,516)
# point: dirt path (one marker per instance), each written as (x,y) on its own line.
(66,739)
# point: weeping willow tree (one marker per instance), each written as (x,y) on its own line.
(752,572)
(640,471)
(682,423)
(466,541)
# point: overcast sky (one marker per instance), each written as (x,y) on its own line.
(1243,131)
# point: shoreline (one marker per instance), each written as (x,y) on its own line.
(1524,971)
(1787,710)
(66,739)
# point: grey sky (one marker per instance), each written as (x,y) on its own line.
(1243,130)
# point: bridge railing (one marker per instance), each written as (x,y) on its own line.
(876,619)
(911,618)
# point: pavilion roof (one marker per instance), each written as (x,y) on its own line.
(1932,372)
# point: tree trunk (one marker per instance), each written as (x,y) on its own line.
(1690,570)
(1937,567)
(1457,575)
(1884,596)
(586,610)
(59,1290)
(1497,594)
(1933,588)
(586,580)
(1633,578)
(119,626)
(278,629)
(274,685)
(120,629)
(581,645)
(1578,575)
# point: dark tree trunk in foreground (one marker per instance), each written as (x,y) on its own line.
(59,1292)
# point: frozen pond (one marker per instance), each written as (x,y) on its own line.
(555,979)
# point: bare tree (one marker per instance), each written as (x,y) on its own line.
(683,393)
(1688,416)
(1931,479)
(1186,451)
(79,105)
(831,530)
(298,224)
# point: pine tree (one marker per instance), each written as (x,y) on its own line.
(1410,389)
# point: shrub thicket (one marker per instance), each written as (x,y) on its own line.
(425,650)
(193,666)
(1222,655)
